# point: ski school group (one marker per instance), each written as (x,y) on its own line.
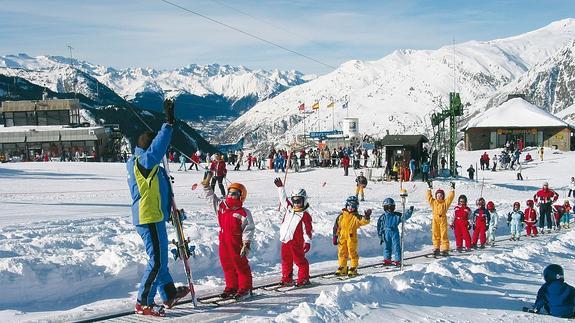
(152,204)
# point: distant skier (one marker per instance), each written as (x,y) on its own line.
(571,187)
(556,297)
(182,163)
(360,184)
(493,222)
(196,157)
(345,236)
(519,175)
(471,172)
(480,221)
(530,219)
(411,169)
(151,203)
(236,233)
(460,225)
(494,163)
(528,158)
(425,171)
(541,151)
(515,220)
(545,197)
(439,206)
(295,235)
(345,164)
(387,229)
(219,172)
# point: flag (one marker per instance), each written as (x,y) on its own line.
(331,104)
(315,106)
(301,107)
(344,106)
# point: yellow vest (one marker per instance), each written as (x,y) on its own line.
(150,210)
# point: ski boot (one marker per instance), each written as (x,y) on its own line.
(467,249)
(287,281)
(482,246)
(459,249)
(436,252)
(474,245)
(386,262)
(352,272)
(396,263)
(302,283)
(228,293)
(341,271)
(243,294)
(181,292)
(444,253)
(153,310)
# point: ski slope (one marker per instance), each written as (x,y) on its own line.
(69,252)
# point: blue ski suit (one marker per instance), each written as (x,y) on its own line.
(151,203)
(557,298)
(388,231)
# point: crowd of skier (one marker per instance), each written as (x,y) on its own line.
(149,185)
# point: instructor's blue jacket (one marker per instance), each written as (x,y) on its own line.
(148,159)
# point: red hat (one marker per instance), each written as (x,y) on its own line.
(529,202)
(440,191)
(516,204)
(490,206)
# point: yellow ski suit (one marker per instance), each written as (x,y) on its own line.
(439,223)
(345,229)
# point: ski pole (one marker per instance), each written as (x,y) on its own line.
(403,195)
(482,183)
(285,176)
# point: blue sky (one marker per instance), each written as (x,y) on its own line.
(140,33)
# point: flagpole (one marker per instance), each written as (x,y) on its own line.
(332,119)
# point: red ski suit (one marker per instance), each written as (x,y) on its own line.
(480,220)
(530,220)
(461,226)
(236,226)
(295,233)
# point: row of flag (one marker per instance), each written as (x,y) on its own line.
(315,106)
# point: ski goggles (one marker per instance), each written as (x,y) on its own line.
(235,194)
(297,200)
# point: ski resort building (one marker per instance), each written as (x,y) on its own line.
(521,122)
(48,129)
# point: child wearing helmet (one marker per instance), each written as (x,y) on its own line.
(236,233)
(555,295)
(561,211)
(515,220)
(480,221)
(460,224)
(295,235)
(566,218)
(361,183)
(345,236)
(387,229)
(439,206)
(530,219)
(493,222)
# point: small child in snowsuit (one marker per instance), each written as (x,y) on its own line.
(560,212)
(460,224)
(345,236)
(480,219)
(295,235)
(515,220)
(361,183)
(566,218)
(387,229)
(439,206)
(494,220)
(555,296)
(530,219)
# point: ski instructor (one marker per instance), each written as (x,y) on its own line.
(151,203)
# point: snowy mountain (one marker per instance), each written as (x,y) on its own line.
(399,92)
(204,92)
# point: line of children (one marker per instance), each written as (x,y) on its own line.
(388,232)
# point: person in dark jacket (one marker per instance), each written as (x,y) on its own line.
(555,296)
(151,203)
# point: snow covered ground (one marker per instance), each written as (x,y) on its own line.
(68,249)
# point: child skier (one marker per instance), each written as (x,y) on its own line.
(361,183)
(555,296)
(494,220)
(562,214)
(295,235)
(387,229)
(460,224)
(514,221)
(530,219)
(236,233)
(345,236)
(480,219)
(439,206)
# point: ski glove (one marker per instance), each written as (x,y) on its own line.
(169,111)
(430,184)
(306,247)
(334,240)
(411,208)
(207,179)
(367,214)
(245,249)
(452,185)
(278,182)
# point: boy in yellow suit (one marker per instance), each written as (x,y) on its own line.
(345,236)
(439,206)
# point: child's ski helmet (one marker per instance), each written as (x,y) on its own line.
(299,192)
(462,197)
(553,272)
(352,201)
(240,188)
(490,206)
(529,202)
